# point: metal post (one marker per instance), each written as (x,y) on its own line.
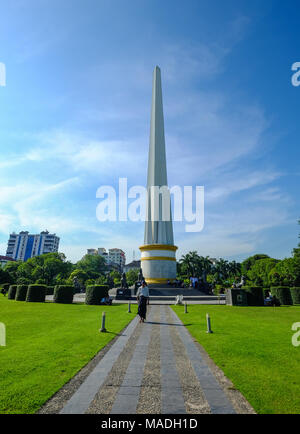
(129,311)
(209,330)
(185,307)
(103,329)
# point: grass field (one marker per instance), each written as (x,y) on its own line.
(46,344)
(252,345)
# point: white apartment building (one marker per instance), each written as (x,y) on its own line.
(117,256)
(112,257)
(23,246)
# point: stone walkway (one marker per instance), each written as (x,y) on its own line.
(156,368)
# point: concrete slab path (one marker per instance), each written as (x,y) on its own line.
(156,367)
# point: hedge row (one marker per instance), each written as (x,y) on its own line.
(286,296)
(36,293)
(63,294)
(21,292)
(255,295)
(295,293)
(12,292)
(283,293)
(94,294)
(50,290)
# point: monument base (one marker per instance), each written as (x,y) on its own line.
(158,263)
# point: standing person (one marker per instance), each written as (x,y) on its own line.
(143,299)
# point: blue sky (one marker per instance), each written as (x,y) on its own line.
(75,115)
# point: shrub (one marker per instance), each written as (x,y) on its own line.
(63,294)
(12,292)
(36,293)
(186,282)
(295,293)
(283,294)
(255,295)
(21,292)
(219,289)
(50,290)
(95,293)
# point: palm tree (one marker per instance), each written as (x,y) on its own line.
(192,262)
(206,266)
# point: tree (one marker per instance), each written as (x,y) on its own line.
(259,273)
(5,277)
(221,269)
(205,267)
(93,265)
(190,263)
(285,273)
(249,262)
(11,267)
(81,275)
(132,276)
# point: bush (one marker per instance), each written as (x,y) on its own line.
(21,292)
(36,293)
(255,295)
(219,289)
(95,293)
(50,290)
(283,294)
(295,293)
(12,292)
(63,294)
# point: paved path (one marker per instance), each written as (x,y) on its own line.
(155,368)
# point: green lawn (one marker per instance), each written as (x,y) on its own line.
(252,345)
(46,344)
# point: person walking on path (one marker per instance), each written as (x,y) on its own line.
(143,299)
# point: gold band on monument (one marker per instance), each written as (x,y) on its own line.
(158,258)
(158,247)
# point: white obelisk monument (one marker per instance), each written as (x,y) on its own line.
(158,261)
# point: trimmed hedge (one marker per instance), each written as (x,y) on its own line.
(50,290)
(63,294)
(36,293)
(283,294)
(12,292)
(295,293)
(255,295)
(94,294)
(21,292)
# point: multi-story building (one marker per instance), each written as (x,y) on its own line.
(93,252)
(23,246)
(117,256)
(101,251)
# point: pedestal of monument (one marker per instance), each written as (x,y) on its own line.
(158,263)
